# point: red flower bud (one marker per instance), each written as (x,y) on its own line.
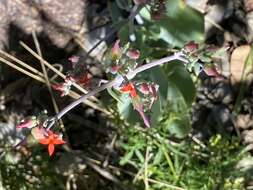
(212,71)
(27,123)
(115,69)
(191,46)
(133,54)
(116,50)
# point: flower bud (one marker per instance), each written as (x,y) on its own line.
(141,2)
(27,123)
(133,54)
(191,46)
(116,50)
(212,71)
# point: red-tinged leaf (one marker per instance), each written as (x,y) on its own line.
(153,89)
(144,118)
(138,106)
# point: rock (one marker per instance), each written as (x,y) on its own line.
(59,20)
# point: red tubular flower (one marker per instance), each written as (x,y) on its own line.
(51,140)
(129,88)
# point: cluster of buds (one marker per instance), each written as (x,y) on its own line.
(123,59)
(39,134)
(202,59)
(142,94)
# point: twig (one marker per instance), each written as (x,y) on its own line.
(36,77)
(146,169)
(110,149)
(40,79)
(165,184)
(37,45)
(54,69)
(21,63)
(89,103)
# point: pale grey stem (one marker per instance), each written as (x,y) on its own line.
(116,82)
(176,56)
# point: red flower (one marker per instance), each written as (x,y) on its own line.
(51,140)
(129,88)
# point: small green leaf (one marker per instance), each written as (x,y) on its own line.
(158,157)
(126,157)
(139,155)
(179,127)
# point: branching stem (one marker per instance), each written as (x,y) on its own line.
(116,82)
